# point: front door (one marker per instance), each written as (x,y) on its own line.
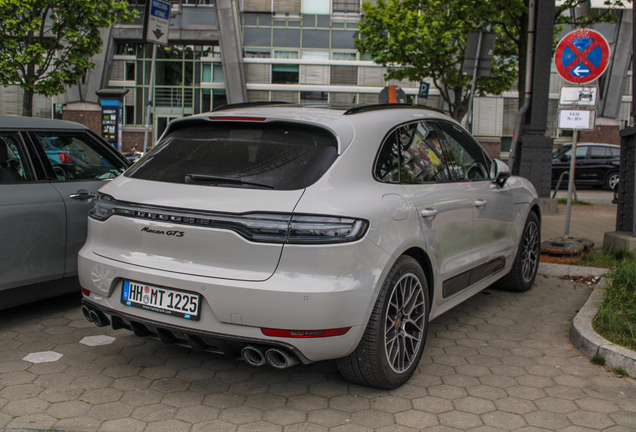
(445,208)
(493,237)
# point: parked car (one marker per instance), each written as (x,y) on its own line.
(596,164)
(615,192)
(289,234)
(49,172)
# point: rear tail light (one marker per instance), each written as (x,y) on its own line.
(65,157)
(257,227)
(325,229)
(305,333)
(86,292)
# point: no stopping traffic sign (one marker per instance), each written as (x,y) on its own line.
(582,56)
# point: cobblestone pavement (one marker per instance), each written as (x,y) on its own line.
(500,361)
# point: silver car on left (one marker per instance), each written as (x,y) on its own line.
(50,171)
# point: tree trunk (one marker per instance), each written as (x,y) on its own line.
(27,103)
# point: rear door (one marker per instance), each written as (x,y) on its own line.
(32,218)
(445,208)
(78,164)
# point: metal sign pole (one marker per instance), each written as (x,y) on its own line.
(150,91)
(571,185)
(473,85)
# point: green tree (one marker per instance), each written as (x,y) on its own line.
(420,39)
(47,44)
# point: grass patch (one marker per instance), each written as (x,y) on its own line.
(598,360)
(564,201)
(607,258)
(620,372)
(616,317)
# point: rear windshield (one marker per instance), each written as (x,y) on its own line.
(272,155)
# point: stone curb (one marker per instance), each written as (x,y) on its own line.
(582,334)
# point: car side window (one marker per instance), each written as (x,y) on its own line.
(597,152)
(466,158)
(616,152)
(423,155)
(13,160)
(387,164)
(77,156)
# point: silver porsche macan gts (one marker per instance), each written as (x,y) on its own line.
(286,233)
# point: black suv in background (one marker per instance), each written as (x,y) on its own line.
(596,164)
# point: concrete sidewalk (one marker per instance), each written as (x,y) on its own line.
(498,362)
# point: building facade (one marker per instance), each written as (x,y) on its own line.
(297,51)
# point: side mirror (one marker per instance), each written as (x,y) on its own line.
(565,158)
(499,172)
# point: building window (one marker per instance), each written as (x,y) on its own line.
(316,7)
(124,48)
(284,74)
(344,56)
(253,53)
(346,5)
(314,97)
(217,75)
(129,71)
(315,55)
(129,115)
(285,54)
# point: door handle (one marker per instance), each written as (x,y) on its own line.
(83,195)
(428,212)
(480,203)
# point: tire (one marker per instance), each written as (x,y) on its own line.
(526,265)
(611,180)
(383,363)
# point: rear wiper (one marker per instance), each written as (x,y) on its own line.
(193,178)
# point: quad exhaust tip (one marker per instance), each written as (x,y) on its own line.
(280,359)
(275,357)
(95,316)
(253,356)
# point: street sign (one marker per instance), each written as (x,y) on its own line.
(582,56)
(424,88)
(486,53)
(580,96)
(157,22)
(576,119)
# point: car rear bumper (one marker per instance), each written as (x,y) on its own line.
(311,297)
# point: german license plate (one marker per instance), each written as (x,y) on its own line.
(163,300)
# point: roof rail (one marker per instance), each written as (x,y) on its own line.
(247,105)
(378,107)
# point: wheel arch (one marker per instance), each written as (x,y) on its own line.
(536,208)
(419,255)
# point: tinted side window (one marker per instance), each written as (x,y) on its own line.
(14,166)
(465,157)
(424,159)
(77,156)
(276,155)
(597,152)
(616,152)
(387,165)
